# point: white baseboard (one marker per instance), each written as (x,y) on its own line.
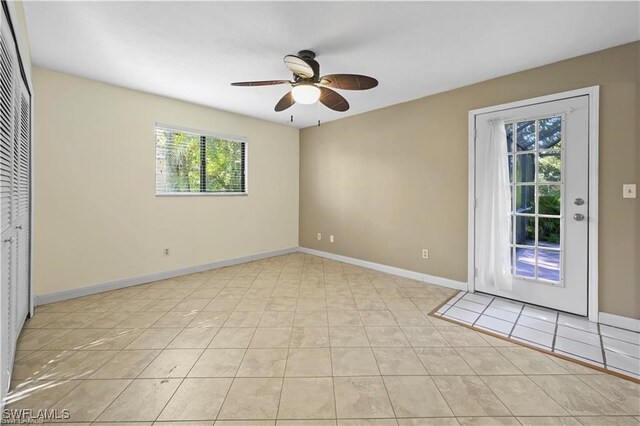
(619,321)
(445,282)
(143,279)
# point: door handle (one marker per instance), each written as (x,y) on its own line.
(579,217)
(19,227)
(9,240)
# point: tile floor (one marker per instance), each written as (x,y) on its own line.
(295,340)
(606,347)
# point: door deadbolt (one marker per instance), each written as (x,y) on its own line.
(578,201)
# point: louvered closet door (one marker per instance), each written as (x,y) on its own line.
(15,143)
(15,184)
(8,209)
(23,153)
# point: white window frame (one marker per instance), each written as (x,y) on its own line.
(233,138)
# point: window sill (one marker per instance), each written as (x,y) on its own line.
(202,194)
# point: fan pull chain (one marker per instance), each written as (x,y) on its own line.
(292,118)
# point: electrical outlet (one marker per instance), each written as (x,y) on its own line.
(319,236)
(629,190)
(425,253)
(166,252)
(330,238)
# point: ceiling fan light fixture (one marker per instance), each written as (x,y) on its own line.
(306,93)
(308,87)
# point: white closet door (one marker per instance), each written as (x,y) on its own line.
(15,144)
(23,153)
(7,236)
(15,179)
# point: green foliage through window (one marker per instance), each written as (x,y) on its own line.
(188,162)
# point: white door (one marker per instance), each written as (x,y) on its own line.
(22,150)
(8,208)
(548,150)
(15,195)
(22,186)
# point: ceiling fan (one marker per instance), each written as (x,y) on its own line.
(308,87)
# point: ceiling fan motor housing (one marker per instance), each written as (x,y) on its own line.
(307,54)
(309,58)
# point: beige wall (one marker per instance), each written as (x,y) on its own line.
(390,182)
(96,216)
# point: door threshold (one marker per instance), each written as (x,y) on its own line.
(533,305)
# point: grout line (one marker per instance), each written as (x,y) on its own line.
(429,374)
(233,379)
(373,353)
(580,358)
(555,333)
(447,310)
(190,369)
(604,354)
(516,322)
(102,365)
(284,372)
(160,351)
(483,311)
(604,395)
(623,329)
(481,378)
(333,379)
(433,382)
(166,348)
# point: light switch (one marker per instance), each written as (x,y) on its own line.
(629,190)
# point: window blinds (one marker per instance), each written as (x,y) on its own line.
(192,162)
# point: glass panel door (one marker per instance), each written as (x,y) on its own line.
(548,153)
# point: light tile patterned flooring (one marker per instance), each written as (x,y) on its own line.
(606,347)
(299,340)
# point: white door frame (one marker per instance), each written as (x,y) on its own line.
(593,93)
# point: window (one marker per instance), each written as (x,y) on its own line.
(536,188)
(197,162)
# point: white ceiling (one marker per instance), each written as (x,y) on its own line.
(193,51)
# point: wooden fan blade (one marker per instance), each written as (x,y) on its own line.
(333,100)
(349,81)
(285,102)
(260,83)
(298,66)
